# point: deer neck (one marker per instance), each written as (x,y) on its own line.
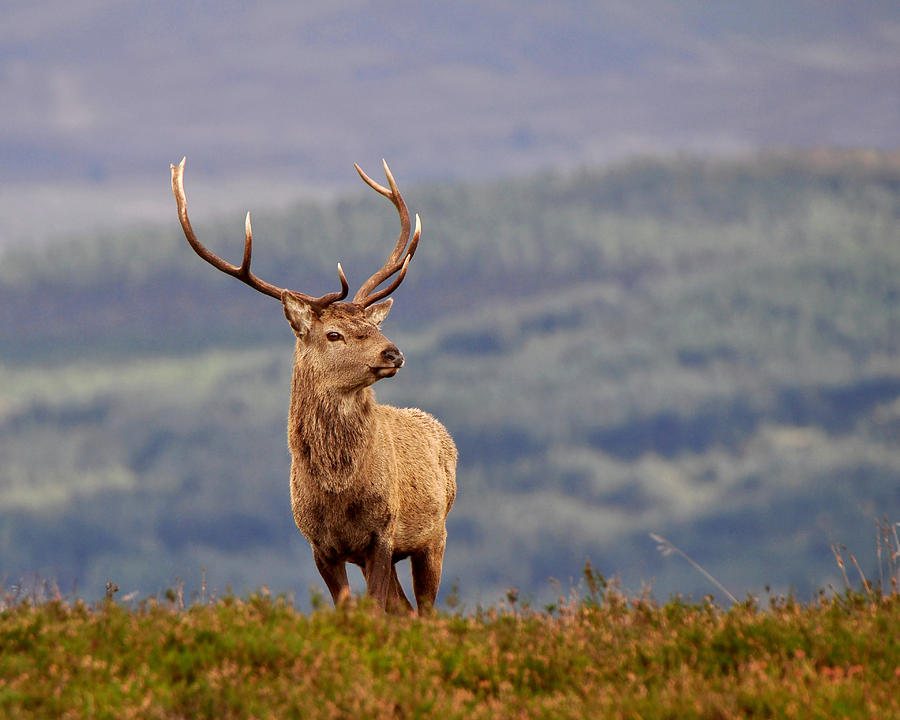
(328,431)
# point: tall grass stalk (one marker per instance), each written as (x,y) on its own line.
(666,547)
(887,555)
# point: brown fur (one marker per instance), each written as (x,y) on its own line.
(370,484)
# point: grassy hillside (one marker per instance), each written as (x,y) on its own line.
(600,656)
(708,350)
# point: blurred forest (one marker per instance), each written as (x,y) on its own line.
(704,349)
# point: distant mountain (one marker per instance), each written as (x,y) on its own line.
(106,93)
(702,349)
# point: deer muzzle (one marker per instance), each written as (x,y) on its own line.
(392,356)
(391,362)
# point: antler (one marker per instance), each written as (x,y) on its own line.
(403,250)
(243,272)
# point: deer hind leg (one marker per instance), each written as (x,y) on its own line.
(335,577)
(426,574)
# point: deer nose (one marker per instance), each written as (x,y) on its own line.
(392,356)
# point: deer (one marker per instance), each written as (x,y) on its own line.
(370,484)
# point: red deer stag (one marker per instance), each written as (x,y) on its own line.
(370,484)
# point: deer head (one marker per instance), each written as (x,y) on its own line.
(340,340)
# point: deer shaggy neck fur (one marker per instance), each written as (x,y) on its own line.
(328,431)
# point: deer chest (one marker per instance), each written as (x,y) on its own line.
(341,525)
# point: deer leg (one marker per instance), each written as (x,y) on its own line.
(398,603)
(426,574)
(378,571)
(335,577)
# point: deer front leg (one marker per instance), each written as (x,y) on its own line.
(379,572)
(335,577)
(397,603)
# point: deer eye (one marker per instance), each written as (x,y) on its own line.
(334,336)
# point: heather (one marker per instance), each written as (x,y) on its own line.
(599,653)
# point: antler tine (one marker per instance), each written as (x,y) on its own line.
(392,194)
(242,273)
(383,293)
(328,298)
(403,249)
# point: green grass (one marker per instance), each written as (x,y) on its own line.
(601,655)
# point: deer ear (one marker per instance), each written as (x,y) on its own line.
(299,313)
(377,313)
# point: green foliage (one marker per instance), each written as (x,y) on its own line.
(707,350)
(608,657)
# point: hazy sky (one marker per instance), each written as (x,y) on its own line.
(267,99)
